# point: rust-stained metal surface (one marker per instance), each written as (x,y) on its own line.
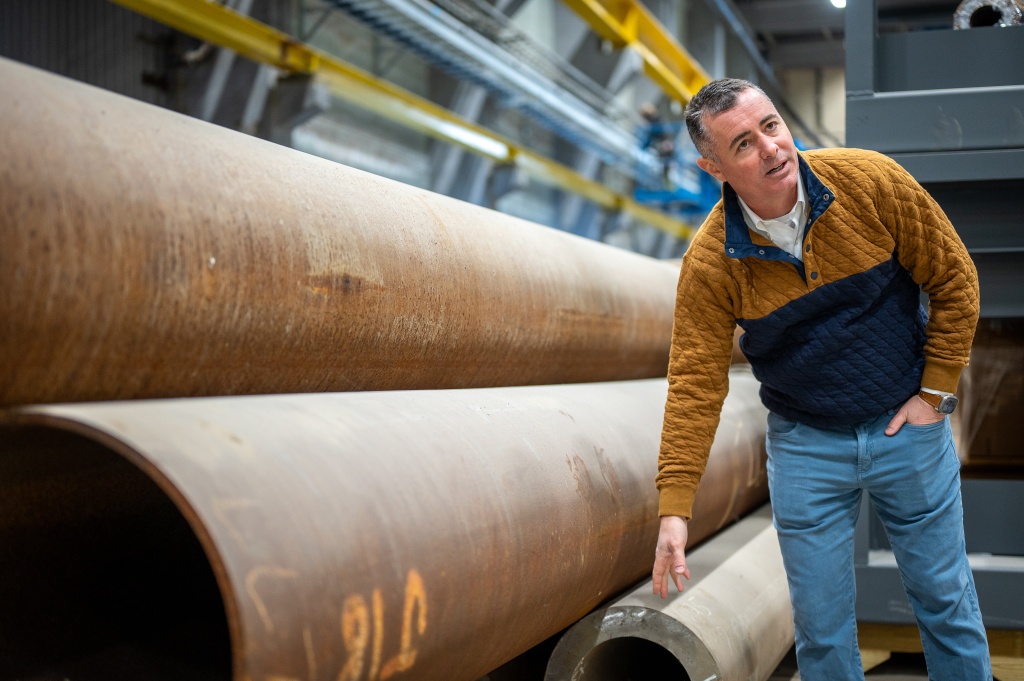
(147,254)
(428,535)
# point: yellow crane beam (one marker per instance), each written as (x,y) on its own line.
(220,25)
(627,23)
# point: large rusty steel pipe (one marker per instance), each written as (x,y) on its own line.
(147,254)
(732,623)
(430,535)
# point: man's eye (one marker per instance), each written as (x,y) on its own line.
(772,125)
(743,145)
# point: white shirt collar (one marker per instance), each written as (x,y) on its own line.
(754,220)
(785,231)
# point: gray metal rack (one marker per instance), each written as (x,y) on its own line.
(949,106)
(995,548)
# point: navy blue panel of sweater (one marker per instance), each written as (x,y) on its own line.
(843,353)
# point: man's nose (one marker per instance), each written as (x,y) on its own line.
(768,147)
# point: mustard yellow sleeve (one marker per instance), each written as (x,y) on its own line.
(698,380)
(929,248)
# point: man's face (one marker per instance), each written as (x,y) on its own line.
(754,153)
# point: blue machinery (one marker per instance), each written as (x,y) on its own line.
(684,189)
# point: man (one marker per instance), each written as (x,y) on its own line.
(820,258)
(661,138)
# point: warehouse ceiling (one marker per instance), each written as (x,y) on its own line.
(809,33)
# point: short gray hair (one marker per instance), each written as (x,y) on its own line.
(714,98)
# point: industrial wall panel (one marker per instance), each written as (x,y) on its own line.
(937,120)
(987,215)
(954,166)
(93,41)
(933,60)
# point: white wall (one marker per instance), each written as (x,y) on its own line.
(819,97)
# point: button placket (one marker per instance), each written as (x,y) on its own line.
(810,268)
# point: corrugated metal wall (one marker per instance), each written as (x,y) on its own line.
(93,41)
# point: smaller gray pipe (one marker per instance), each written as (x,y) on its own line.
(997,13)
(733,622)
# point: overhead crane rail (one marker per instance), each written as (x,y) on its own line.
(627,23)
(220,25)
(538,92)
(498,27)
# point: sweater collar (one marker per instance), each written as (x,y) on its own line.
(738,243)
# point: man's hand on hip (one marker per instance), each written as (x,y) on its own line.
(916,412)
(670,556)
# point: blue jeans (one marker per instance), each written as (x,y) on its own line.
(816,477)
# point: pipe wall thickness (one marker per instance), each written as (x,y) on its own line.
(147,254)
(734,623)
(436,534)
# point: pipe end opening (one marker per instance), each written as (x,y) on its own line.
(627,658)
(101,576)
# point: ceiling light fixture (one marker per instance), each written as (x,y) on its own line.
(839,3)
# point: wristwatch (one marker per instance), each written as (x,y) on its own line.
(944,403)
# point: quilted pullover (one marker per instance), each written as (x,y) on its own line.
(837,339)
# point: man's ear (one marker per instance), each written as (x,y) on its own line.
(711,168)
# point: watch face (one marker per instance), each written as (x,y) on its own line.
(947,404)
